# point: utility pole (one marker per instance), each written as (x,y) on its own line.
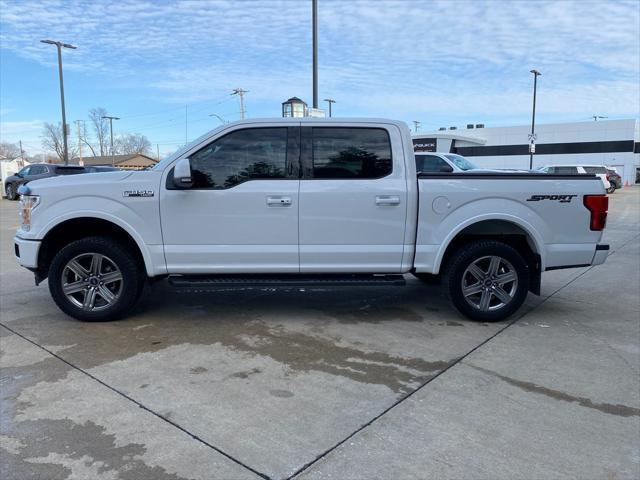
(21,151)
(596,117)
(240,92)
(329,101)
(314,22)
(532,137)
(60,45)
(111,119)
(79,143)
(416,126)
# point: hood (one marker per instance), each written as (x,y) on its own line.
(80,179)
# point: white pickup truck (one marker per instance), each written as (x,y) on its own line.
(301,202)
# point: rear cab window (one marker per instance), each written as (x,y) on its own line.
(350,153)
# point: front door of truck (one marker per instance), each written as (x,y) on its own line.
(353,199)
(241,214)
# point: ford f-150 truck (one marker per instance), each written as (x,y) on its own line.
(300,202)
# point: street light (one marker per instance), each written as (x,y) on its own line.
(60,45)
(111,119)
(596,117)
(222,120)
(532,137)
(314,34)
(329,101)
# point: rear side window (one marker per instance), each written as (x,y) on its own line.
(595,169)
(429,163)
(343,152)
(250,154)
(564,170)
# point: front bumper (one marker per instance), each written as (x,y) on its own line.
(602,251)
(26,251)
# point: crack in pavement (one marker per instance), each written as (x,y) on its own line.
(612,409)
(139,404)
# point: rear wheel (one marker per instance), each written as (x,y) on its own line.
(95,279)
(611,189)
(487,280)
(10,190)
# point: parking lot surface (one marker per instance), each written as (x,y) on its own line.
(387,383)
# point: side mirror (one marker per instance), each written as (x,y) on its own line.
(182,174)
(446,169)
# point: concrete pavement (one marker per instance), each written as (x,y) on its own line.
(355,383)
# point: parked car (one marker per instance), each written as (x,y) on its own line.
(100,169)
(37,171)
(443,162)
(614,178)
(434,162)
(301,202)
(598,170)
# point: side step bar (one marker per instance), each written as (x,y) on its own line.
(207,282)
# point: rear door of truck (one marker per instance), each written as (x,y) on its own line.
(353,198)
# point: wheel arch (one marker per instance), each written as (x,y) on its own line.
(511,231)
(75,228)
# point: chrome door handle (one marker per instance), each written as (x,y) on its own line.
(387,200)
(278,201)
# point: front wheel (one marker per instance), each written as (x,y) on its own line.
(611,189)
(487,280)
(10,190)
(95,279)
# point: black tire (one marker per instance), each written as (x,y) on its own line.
(10,190)
(428,278)
(129,286)
(482,251)
(611,189)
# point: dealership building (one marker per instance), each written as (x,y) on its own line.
(615,143)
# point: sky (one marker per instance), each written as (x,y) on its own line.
(164,67)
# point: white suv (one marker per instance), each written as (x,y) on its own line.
(598,170)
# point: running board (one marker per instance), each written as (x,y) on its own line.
(206,282)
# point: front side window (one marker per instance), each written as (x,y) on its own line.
(429,163)
(25,171)
(342,152)
(254,153)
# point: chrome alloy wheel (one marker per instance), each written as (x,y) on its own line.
(489,283)
(92,281)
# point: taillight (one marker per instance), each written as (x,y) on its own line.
(598,206)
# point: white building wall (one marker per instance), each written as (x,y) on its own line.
(626,163)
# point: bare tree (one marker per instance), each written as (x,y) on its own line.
(9,150)
(100,128)
(83,139)
(130,143)
(52,140)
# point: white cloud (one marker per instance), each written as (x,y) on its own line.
(399,58)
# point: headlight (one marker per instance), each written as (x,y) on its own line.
(27,204)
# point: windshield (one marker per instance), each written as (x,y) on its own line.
(460,162)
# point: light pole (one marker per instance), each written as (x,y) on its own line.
(416,126)
(532,137)
(111,119)
(314,28)
(64,116)
(218,117)
(329,101)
